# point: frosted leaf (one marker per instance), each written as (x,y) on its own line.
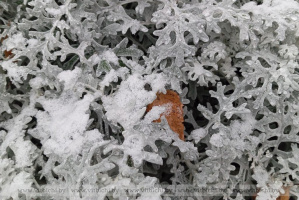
(230,110)
(287,51)
(6,168)
(188,148)
(215,51)
(4,6)
(185,22)
(145,185)
(295,158)
(217,140)
(128,22)
(4,106)
(228,69)
(142,5)
(104,66)
(276,11)
(122,50)
(2,136)
(53,11)
(74,93)
(171,37)
(198,134)
(196,71)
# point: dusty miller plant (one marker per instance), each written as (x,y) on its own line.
(74,92)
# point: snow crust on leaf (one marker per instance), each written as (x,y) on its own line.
(132,98)
(62,126)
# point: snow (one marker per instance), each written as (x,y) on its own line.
(32,43)
(21,181)
(128,104)
(37,82)
(111,57)
(15,72)
(61,127)
(154,113)
(69,77)
(261,176)
(157,82)
(134,146)
(112,76)
(217,140)
(15,41)
(24,151)
(267,183)
(59,105)
(277,6)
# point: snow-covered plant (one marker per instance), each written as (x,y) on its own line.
(76,77)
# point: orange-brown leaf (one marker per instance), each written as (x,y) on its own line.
(174,115)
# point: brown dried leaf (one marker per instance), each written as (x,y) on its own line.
(174,115)
(6,53)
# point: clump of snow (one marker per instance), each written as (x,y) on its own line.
(61,127)
(37,82)
(69,77)
(21,182)
(108,55)
(112,76)
(15,41)
(16,73)
(266,183)
(154,113)
(24,151)
(157,82)
(128,104)
(270,7)
(217,139)
(111,57)
(32,43)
